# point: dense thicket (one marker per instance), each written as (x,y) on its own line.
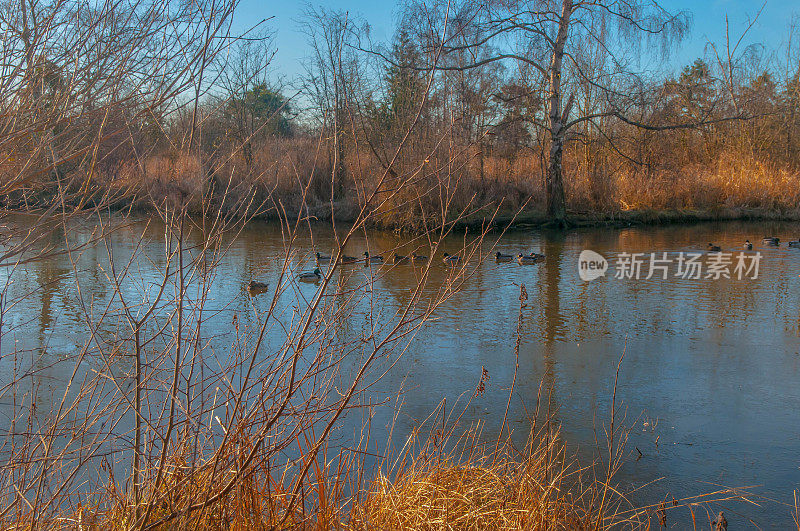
(466,100)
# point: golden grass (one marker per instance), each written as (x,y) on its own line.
(294,175)
(473,486)
(253,502)
(500,493)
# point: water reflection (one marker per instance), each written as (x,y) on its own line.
(700,354)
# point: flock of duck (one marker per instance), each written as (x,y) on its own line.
(451,259)
(414,258)
(767,240)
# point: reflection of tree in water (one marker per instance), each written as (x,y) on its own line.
(49,277)
(552,320)
(51,287)
(720,304)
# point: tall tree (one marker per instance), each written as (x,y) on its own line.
(551,38)
(330,80)
(260,111)
(404,84)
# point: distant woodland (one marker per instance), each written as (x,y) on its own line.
(490,108)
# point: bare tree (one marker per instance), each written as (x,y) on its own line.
(330,81)
(83,85)
(549,38)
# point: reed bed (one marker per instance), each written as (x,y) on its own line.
(471,486)
(490,489)
(291,176)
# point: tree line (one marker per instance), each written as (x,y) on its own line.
(521,106)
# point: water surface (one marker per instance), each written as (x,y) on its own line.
(710,381)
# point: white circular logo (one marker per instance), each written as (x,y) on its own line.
(591,265)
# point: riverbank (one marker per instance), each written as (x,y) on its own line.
(523,220)
(504,197)
(627,218)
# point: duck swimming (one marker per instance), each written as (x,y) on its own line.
(451,259)
(399,259)
(372,259)
(419,258)
(310,276)
(795,243)
(748,245)
(771,240)
(500,257)
(257,287)
(529,258)
(714,248)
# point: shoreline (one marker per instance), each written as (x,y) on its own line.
(630,218)
(537,219)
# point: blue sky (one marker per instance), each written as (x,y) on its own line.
(708,24)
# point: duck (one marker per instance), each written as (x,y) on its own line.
(451,259)
(529,258)
(714,248)
(310,276)
(419,258)
(748,245)
(349,259)
(400,259)
(771,240)
(372,259)
(500,257)
(256,286)
(322,258)
(795,243)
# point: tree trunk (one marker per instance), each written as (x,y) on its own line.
(556,204)
(340,171)
(481,148)
(789,134)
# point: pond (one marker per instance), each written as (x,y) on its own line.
(709,383)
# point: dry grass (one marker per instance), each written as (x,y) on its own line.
(290,175)
(472,486)
(492,489)
(293,176)
(732,182)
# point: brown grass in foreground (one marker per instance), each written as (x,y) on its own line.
(491,489)
(471,486)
